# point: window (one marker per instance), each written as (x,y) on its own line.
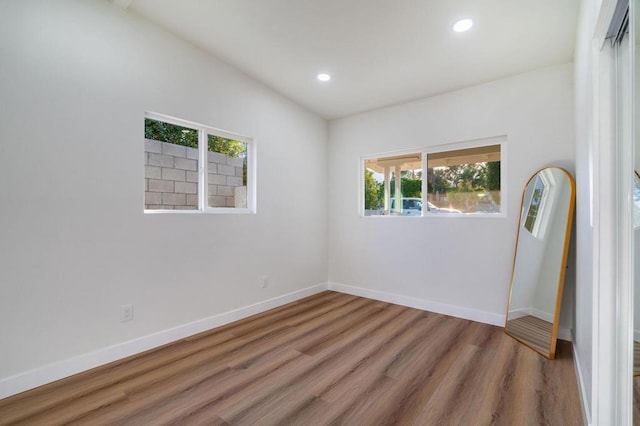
(393,184)
(465,180)
(457,182)
(192,167)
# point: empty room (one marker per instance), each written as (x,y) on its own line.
(318,212)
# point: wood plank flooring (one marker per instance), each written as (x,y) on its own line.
(330,359)
(534,331)
(636,400)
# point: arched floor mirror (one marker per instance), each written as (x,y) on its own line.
(539,266)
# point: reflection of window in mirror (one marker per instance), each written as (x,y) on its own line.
(540,201)
(534,205)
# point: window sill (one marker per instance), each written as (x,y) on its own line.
(463,216)
(214,211)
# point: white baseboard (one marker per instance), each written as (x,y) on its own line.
(518,313)
(37,377)
(542,315)
(584,397)
(565,334)
(423,304)
(636,335)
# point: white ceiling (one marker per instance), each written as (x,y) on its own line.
(378,52)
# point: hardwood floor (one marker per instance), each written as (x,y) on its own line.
(328,359)
(534,331)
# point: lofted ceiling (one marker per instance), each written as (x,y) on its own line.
(378,52)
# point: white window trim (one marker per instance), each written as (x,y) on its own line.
(425,151)
(203,164)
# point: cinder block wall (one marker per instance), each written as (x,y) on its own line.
(171,177)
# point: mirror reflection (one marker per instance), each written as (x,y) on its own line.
(540,259)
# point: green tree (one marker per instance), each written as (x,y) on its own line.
(473,176)
(371,188)
(227,146)
(411,188)
(461,177)
(179,135)
(436,180)
(171,133)
(493,176)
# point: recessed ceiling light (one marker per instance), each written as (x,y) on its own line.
(463,25)
(324,77)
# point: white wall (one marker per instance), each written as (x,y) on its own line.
(583,75)
(466,261)
(75,80)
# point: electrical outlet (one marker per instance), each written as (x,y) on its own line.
(265,281)
(126,313)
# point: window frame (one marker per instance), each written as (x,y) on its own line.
(203,165)
(434,149)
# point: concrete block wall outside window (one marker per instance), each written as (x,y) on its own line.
(171,177)
(193,167)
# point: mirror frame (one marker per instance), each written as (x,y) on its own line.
(563,264)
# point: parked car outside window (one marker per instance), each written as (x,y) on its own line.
(413,207)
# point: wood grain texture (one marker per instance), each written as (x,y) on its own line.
(329,359)
(533,331)
(636,401)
